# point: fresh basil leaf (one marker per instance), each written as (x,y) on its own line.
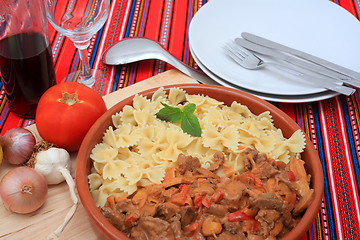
(190,124)
(189,108)
(170,114)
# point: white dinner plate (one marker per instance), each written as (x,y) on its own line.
(268,97)
(318,27)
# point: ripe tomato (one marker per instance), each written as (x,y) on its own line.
(66,112)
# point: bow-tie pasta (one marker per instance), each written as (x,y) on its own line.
(139,147)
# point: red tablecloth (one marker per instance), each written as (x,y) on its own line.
(332,124)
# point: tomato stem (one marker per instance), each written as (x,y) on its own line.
(69,98)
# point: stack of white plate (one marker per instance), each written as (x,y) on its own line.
(318,27)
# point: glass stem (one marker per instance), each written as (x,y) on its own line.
(86,76)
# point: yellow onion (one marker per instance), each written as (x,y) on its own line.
(23,190)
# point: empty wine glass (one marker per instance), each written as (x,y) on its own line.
(79,20)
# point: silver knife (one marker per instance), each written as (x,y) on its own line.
(334,76)
(316,60)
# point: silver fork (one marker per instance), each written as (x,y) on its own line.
(248,60)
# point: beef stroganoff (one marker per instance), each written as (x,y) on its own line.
(139,149)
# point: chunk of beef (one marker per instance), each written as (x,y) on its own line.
(265,170)
(187,215)
(150,228)
(188,163)
(267,219)
(176,226)
(247,161)
(289,221)
(219,160)
(118,213)
(127,207)
(268,215)
(258,157)
(253,157)
(166,210)
(115,218)
(233,228)
(124,206)
(280,165)
(148,210)
(155,190)
(267,201)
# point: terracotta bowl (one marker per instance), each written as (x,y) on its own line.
(313,166)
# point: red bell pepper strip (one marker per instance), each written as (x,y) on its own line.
(130,221)
(111,201)
(255,226)
(191,227)
(197,200)
(218,195)
(291,176)
(206,201)
(180,198)
(239,216)
(255,180)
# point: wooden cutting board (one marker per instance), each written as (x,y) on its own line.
(40,224)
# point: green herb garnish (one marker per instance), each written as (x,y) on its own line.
(189,122)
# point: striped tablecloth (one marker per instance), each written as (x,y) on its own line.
(332,125)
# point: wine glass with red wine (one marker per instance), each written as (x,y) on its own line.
(79,20)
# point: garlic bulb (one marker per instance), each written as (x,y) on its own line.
(49,163)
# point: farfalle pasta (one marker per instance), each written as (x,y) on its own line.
(139,147)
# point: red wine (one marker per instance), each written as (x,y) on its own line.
(27,71)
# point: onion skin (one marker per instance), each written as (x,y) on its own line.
(23,190)
(18,145)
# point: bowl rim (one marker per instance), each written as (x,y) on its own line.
(277,114)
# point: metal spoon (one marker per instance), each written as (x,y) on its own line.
(135,49)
